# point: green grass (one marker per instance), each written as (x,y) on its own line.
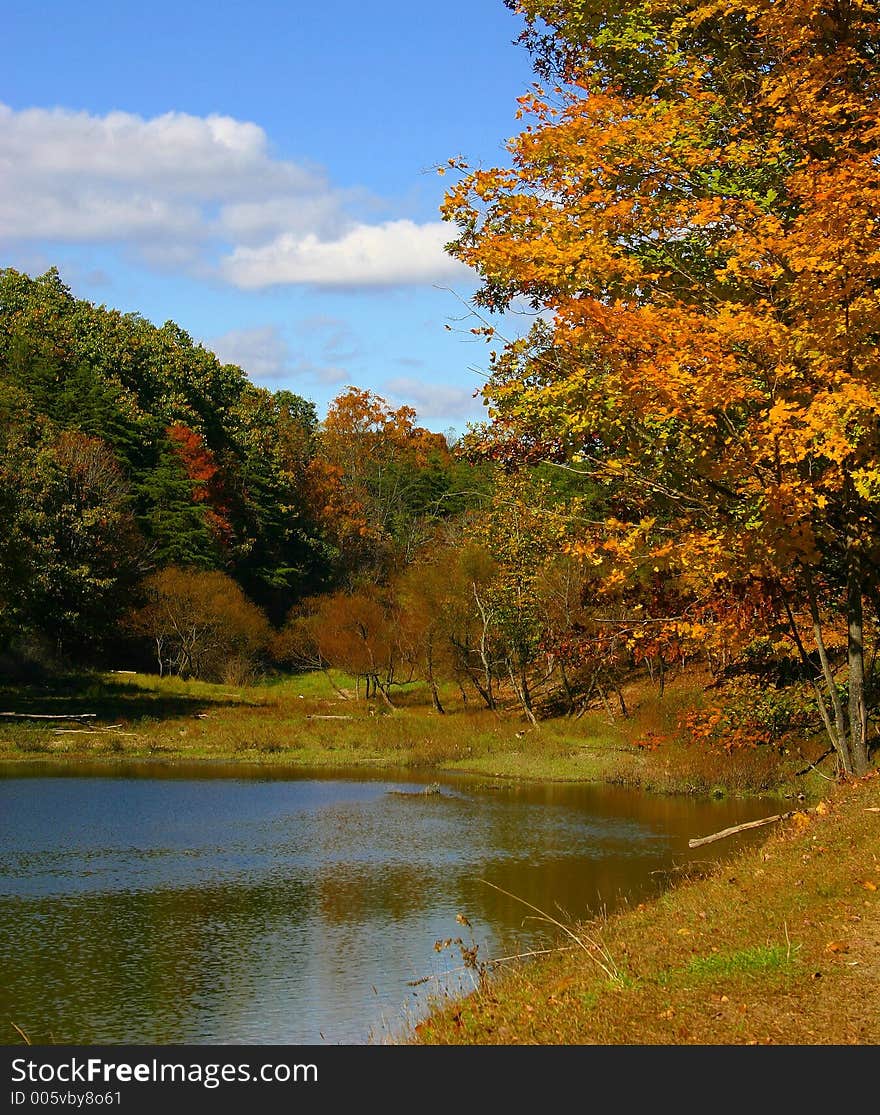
(758,958)
(315,719)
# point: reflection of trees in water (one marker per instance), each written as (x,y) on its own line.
(112,965)
(300,947)
(568,890)
(386,893)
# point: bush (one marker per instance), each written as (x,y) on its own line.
(201,624)
(751,717)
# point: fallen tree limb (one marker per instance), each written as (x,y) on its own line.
(739,828)
(50,716)
(114,728)
(327,716)
(814,765)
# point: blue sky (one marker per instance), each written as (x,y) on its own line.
(262,174)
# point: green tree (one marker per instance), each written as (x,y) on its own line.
(175,525)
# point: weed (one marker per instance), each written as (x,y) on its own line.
(469,952)
(592,946)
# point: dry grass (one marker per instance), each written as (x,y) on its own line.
(781,945)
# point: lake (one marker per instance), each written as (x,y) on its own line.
(219,904)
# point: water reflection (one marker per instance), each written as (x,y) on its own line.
(292,909)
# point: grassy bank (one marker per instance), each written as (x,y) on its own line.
(780,945)
(317,720)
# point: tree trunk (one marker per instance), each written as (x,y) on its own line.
(809,672)
(566,685)
(520,688)
(432,682)
(855,653)
(840,740)
(484,649)
(379,688)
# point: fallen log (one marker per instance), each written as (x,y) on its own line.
(327,716)
(739,828)
(50,716)
(114,728)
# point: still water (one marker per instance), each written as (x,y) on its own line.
(207,905)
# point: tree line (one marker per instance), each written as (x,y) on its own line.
(127,450)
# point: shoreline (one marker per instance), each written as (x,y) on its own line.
(729,955)
(777,944)
(302,722)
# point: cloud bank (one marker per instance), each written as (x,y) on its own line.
(206,193)
(365,255)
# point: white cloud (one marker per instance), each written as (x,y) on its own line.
(192,189)
(250,222)
(436,400)
(262,352)
(365,255)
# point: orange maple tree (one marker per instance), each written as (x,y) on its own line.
(694,204)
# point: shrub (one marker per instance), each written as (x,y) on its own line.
(201,623)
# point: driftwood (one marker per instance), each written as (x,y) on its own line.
(739,828)
(50,716)
(429,791)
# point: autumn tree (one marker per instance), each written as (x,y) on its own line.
(438,619)
(200,623)
(379,482)
(693,205)
(352,631)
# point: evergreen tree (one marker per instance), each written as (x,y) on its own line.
(175,525)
